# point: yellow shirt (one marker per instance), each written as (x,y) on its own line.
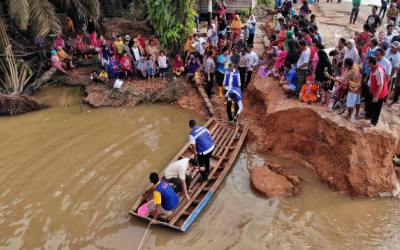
(103,75)
(157,196)
(119,45)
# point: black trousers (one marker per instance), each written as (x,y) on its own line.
(396,93)
(354,14)
(376,108)
(368,104)
(219,77)
(248,78)
(382,10)
(176,183)
(250,39)
(242,72)
(204,161)
(229,110)
(209,83)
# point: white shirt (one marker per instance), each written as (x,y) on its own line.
(304,58)
(386,65)
(252,60)
(118,84)
(177,169)
(136,54)
(394,58)
(162,62)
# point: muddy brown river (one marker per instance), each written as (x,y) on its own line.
(68,178)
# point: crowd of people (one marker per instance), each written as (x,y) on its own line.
(359,70)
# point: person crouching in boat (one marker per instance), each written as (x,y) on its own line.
(165,198)
(201,144)
(178,175)
(234,96)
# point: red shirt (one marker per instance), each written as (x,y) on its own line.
(126,62)
(379,77)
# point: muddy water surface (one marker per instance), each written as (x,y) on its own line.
(68,178)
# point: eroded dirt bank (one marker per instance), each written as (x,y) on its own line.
(350,159)
(18,104)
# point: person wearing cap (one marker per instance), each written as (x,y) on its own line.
(178,175)
(308,92)
(234,97)
(393,55)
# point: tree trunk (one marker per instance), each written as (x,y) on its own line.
(18,104)
(40,81)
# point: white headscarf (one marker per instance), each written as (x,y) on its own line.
(351,53)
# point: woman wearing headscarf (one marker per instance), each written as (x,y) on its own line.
(236,26)
(323,66)
(251,27)
(351,51)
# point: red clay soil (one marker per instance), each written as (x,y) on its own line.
(16,105)
(350,159)
(269,182)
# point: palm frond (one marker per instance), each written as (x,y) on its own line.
(44,18)
(15,75)
(19,11)
(93,7)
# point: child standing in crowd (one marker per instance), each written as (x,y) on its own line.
(151,67)
(162,64)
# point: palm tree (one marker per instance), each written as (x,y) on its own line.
(41,15)
(15,75)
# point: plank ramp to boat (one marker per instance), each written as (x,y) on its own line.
(228,140)
(206,99)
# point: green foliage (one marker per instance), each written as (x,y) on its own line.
(264,2)
(172,20)
(245,13)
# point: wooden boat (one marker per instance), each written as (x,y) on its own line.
(228,140)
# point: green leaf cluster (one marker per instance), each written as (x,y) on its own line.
(172,20)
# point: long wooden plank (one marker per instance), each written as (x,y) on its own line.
(231,159)
(221,148)
(179,213)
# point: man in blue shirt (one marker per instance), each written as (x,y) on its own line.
(201,143)
(289,80)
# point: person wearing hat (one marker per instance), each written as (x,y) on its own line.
(234,97)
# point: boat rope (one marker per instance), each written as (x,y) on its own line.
(144,236)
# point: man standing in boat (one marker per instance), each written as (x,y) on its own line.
(234,100)
(202,145)
(165,198)
(178,176)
